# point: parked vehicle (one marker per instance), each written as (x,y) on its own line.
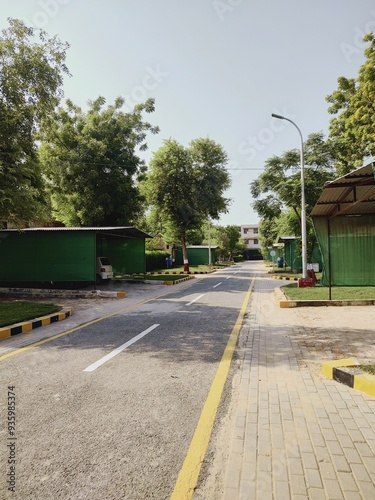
(104,270)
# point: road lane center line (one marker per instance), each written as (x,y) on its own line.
(189,473)
(194,300)
(217,284)
(122,347)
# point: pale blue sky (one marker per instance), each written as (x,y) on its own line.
(217,68)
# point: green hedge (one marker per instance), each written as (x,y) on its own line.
(155,259)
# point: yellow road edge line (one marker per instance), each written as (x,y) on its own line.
(188,475)
(84,325)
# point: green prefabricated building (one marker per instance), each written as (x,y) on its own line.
(291,252)
(277,250)
(344,222)
(63,254)
(197,254)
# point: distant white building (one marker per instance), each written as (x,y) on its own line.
(250,234)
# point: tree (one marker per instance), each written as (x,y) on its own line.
(278,188)
(91,162)
(186,186)
(31,77)
(352,131)
(269,232)
(229,240)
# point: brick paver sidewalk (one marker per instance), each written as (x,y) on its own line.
(296,434)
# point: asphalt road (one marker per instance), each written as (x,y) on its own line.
(108,410)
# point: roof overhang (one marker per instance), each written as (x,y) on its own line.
(352,194)
(117,231)
(285,239)
(213,247)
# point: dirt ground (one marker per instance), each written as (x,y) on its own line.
(335,332)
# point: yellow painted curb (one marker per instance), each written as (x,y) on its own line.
(365,383)
(328,366)
(175,282)
(284,303)
(4,333)
(28,326)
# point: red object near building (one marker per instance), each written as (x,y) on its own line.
(305,282)
(311,274)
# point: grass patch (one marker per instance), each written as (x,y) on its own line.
(292,292)
(16,311)
(368,368)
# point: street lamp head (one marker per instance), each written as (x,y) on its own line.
(278,116)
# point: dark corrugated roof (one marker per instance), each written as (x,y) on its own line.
(124,231)
(283,239)
(352,194)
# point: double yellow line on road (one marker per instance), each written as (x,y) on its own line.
(189,473)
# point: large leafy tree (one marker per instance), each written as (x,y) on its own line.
(32,67)
(92,164)
(278,188)
(187,185)
(228,238)
(352,131)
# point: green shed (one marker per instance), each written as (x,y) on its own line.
(68,254)
(198,255)
(291,252)
(275,251)
(344,222)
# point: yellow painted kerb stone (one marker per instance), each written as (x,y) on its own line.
(328,366)
(284,303)
(4,333)
(365,383)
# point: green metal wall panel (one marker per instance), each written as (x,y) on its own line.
(47,256)
(278,253)
(196,256)
(347,248)
(126,255)
(316,257)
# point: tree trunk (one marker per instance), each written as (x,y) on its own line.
(184,253)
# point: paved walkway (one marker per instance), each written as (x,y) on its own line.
(296,434)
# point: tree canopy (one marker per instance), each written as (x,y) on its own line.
(228,239)
(186,185)
(91,162)
(32,67)
(351,140)
(278,189)
(352,131)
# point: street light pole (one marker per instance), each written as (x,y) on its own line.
(303,202)
(209,243)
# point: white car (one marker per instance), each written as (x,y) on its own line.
(104,270)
